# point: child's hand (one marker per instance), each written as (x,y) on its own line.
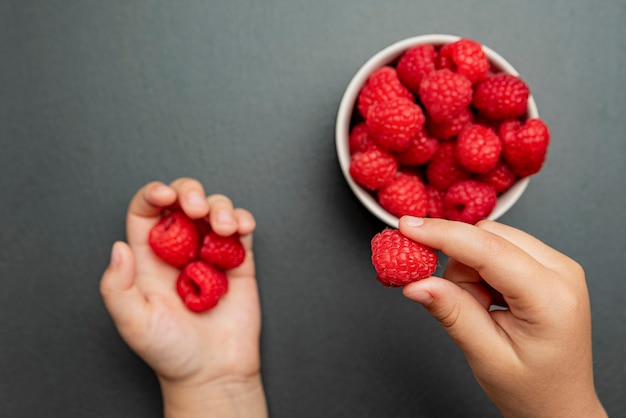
(534,359)
(209,360)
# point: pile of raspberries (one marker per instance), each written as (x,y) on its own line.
(441,132)
(202,255)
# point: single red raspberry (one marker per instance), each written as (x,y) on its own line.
(373,168)
(201,286)
(435,202)
(382,85)
(501,178)
(501,96)
(359,139)
(399,261)
(469,201)
(421,150)
(223,252)
(405,195)
(174,239)
(465,57)
(415,64)
(478,149)
(445,94)
(508,126)
(526,148)
(393,124)
(452,127)
(444,170)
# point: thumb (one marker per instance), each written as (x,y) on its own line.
(118,288)
(465,320)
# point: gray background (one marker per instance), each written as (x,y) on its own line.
(100,97)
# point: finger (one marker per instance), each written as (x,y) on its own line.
(120,293)
(191,197)
(145,209)
(462,317)
(245,221)
(468,279)
(543,253)
(221,215)
(505,266)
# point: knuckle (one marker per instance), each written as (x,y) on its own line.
(450,316)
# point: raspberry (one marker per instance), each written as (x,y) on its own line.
(525,149)
(174,239)
(501,96)
(223,252)
(201,286)
(444,170)
(373,168)
(450,128)
(420,151)
(415,64)
(508,126)
(399,261)
(393,124)
(469,201)
(445,94)
(501,178)
(465,57)
(478,149)
(382,85)
(435,202)
(405,195)
(359,139)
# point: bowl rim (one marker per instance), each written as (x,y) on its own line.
(348,101)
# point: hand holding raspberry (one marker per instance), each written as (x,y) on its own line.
(540,343)
(194,355)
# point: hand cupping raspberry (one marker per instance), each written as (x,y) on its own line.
(441,115)
(202,254)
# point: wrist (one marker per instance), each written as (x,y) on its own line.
(224,397)
(583,407)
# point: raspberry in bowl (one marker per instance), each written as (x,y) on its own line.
(439,126)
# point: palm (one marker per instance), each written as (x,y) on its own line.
(177,342)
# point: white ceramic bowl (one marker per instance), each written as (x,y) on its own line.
(347,105)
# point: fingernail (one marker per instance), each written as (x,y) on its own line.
(421,297)
(413,221)
(225,217)
(115,255)
(196,199)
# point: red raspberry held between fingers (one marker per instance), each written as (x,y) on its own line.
(445,94)
(501,96)
(444,170)
(373,168)
(399,261)
(415,64)
(450,128)
(405,195)
(469,201)
(501,178)
(223,252)
(421,150)
(382,85)
(465,57)
(201,286)
(478,149)
(393,124)
(359,139)
(526,148)
(174,239)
